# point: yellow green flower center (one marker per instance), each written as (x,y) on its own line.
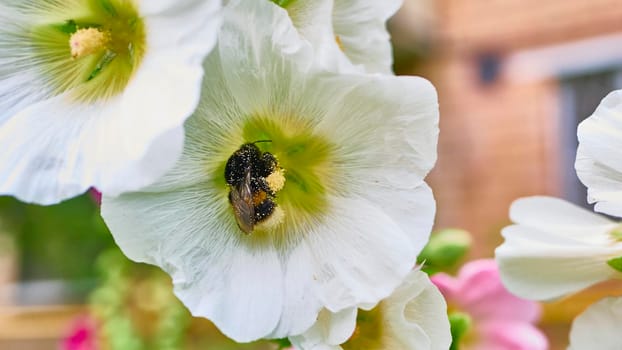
(298,182)
(616,233)
(368,331)
(283,3)
(86,42)
(95,52)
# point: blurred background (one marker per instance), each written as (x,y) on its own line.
(515,77)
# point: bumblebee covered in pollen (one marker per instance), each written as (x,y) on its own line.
(254,177)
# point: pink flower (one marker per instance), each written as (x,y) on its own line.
(82,335)
(498,319)
(96,195)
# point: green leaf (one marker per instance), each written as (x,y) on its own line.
(282,343)
(616,263)
(445,249)
(460,324)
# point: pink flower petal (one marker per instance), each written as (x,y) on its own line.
(478,280)
(501,320)
(483,296)
(96,196)
(446,284)
(510,336)
(82,335)
(503,306)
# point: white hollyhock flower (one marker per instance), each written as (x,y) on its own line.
(322,203)
(599,160)
(413,317)
(345,32)
(95,92)
(555,248)
(598,327)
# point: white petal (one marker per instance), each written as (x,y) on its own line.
(259,63)
(361,27)
(604,184)
(145,113)
(342,325)
(208,133)
(217,273)
(416,314)
(188,27)
(117,145)
(247,304)
(49,159)
(301,304)
(150,7)
(158,7)
(556,248)
(559,217)
(413,317)
(32,165)
(602,131)
(330,330)
(21,83)
(600,138)
(400,149)
(314,21)
(598,327)
(536,265)
(413,210)
(360,254)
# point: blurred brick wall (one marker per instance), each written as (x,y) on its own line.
(519,23)
(499,141)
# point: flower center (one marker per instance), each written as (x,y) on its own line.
(368,331)
(254,178)
(277,176)
(85,42)
(95,52)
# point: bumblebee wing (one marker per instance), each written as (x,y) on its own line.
(241,198)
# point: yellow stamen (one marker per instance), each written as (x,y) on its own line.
(276,180)
(87,41)
(339,42)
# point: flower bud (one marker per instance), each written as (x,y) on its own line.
(445,248)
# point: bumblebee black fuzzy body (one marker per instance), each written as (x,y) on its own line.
(250,196)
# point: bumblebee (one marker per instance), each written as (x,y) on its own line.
(250,194)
